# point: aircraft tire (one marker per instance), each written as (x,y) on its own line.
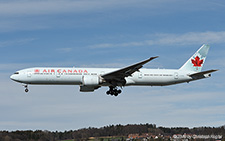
(108,92)
(112,93)
(26,90)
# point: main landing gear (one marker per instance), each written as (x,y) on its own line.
(113,91)
(26,88)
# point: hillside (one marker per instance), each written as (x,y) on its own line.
(119,132)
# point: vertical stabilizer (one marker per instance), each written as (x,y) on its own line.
(195,63)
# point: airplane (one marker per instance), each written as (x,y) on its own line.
(90,79)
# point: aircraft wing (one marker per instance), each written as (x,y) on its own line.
(125,72)
(201,73)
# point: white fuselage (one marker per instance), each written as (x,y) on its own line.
(75,76)
(91,79)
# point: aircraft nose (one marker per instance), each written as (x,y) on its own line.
(16,77)
(12,77)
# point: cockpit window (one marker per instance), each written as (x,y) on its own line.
(16,73)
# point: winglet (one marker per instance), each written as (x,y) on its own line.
(146,61)
(151,58)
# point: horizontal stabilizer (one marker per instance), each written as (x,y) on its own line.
(202,73)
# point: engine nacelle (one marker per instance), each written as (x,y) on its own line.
(90,80)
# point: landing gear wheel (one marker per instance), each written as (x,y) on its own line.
(113,91)
(26,90)
(26,87)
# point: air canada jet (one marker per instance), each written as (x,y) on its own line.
(90,79)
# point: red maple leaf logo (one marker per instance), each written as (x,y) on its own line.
(36,70)
(197,62)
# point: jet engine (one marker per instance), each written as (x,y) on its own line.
(90,80)
(90,83)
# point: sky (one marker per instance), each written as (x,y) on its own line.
(112,33)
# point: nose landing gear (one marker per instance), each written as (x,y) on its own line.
(113,91)
(26,88)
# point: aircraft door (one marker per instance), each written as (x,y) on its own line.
(140,75)
(176,76)
(29,73)
(58,75)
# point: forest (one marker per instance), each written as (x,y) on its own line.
(106,131)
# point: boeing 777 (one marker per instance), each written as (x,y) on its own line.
(91,79)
